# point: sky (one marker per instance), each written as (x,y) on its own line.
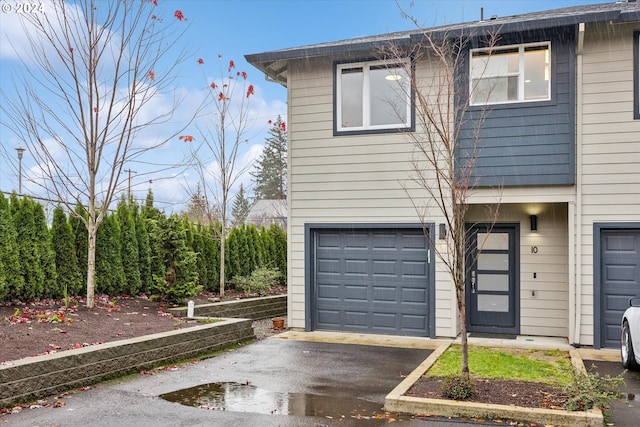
(232,29)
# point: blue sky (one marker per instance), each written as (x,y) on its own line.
(234,28)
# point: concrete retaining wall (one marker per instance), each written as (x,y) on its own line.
(248,308)
(36,377)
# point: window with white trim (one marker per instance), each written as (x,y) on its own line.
(373,96)
(510,74)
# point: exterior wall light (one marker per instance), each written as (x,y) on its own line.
(534,222)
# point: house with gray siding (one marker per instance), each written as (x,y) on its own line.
(559,99)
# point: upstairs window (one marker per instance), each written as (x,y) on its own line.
(511,74)
(372,96)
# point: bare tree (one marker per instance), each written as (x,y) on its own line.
(442,166)
(95,75)
(215,152)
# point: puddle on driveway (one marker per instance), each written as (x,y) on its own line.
(236,397)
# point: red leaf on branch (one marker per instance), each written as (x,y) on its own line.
(250,91)
(283,126)
(155,2)
(179,16)
(231,65)
(221,97)
(213,86)
(186,138)
(152,75)
(200,61)
(95,109)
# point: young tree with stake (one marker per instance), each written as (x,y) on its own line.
(442,169)
(215,152)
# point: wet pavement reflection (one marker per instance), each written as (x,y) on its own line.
(237,397)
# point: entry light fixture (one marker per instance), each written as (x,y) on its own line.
(393,77)
(442,232)
(534,222)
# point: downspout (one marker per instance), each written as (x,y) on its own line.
(571,232)
(578,208)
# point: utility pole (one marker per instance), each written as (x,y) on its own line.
(20,151)
(129,171)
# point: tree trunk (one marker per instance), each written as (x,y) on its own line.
(91,265)
(223,238)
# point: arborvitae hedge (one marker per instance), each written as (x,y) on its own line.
(138,249)
(11,279)
(69,279)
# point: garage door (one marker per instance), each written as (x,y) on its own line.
(371,281)
(620,279)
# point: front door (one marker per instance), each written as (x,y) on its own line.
(492,288)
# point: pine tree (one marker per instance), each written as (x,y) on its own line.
(270,176)
(241,206)
(198,210)
(65,254)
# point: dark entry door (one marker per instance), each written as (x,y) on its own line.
(492,279)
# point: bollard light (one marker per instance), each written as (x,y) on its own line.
(190,307)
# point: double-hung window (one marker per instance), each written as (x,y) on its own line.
(373,96)
(511,74)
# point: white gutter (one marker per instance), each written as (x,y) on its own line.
(578,208)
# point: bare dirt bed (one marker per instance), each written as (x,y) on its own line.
(46,326)
(501,392)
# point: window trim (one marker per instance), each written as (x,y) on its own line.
(636,75)
(408,126)
(521,49)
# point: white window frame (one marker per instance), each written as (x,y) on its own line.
(520,73)
(366,105)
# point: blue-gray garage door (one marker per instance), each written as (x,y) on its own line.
(620,279)
(371,281)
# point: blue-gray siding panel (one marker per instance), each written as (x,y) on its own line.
(372,281)
(527,143)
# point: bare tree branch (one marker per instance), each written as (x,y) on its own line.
(84,102)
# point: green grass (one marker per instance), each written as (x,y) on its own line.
(545,366)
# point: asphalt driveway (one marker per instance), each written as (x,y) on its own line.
(298,383)
(625,412)
(349,379)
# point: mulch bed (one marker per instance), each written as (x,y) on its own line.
(499,392)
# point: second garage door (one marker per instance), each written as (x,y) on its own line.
(371,281)
(620,279)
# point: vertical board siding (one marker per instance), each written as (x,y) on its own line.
(610,147)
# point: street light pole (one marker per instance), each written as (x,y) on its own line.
(20,151)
